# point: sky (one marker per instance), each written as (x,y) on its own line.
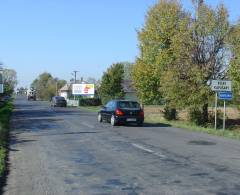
(60,36)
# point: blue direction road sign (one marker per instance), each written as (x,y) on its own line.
(225,95)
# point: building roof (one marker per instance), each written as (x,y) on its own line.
(67,87)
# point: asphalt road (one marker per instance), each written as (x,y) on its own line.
(65,151)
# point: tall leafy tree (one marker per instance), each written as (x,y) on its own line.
(180,54)
(210,54)
(234,71)
(111,83)
(206,59)
(41,86)
(9,80)
(47,86)
(163,22)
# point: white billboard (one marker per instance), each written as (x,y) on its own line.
(83,89)
(221,85)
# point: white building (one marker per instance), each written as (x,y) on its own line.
(66,91)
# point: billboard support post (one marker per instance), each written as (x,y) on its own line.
(75,81)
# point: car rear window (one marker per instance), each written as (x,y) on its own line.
(60,98)
(126,104)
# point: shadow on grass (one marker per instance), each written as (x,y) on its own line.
(233,123)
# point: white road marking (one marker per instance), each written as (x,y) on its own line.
(148,150)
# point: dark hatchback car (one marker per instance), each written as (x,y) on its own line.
(121,112)
(58,101)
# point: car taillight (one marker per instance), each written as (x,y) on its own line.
(141,113)
(119,112)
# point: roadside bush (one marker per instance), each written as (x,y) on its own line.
(195,116)
(219,119)
(90,102)
(170,113)
(5,113)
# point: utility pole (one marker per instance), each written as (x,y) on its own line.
(75,76)
(56,88)
(75,80)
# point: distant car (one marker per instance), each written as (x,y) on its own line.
(122,112)
(58,101)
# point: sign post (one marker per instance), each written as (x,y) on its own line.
(224,88)
(226,95)
(216,99)
(224,115)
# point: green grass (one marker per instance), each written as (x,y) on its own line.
(233,134)
(5,114)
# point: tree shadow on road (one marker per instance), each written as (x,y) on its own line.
(156,125)
(147,125)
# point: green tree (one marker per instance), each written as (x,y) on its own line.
(9,80)
(41,85)
(180,55)
(163,22)
(47,86)
(111,83)
(205,59)
(59,83)
(210,54)
(234,71)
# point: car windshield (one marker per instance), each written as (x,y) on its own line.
(128,104)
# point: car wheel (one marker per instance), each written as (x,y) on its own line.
(140,124)
(113,120)
(99,118)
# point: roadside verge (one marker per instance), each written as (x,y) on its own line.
(5,114)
